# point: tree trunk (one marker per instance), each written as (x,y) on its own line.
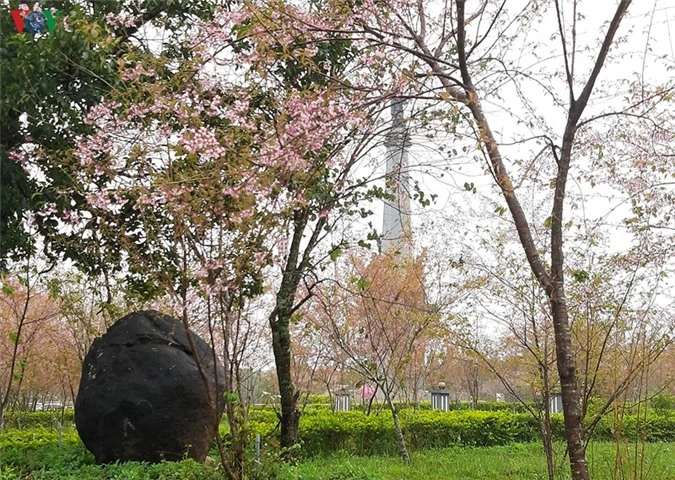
(4,399)
(547,442)
(571,396)
(400,440)
(372,399)
(280,318)
(233,409)
(474,393)
(553,282)
(545,430)
(290,414)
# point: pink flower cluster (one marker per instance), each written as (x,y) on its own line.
(102,115)
(122,19)
(100,200)
(93,150)
(19,156)
(366,392)
(308,123)
(47,210)
(151,199)
(202,141)
(209,266)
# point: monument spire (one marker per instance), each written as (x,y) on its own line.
(396,231)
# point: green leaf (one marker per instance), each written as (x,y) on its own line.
(362,283)
(14,338)
(580,276)
(335,253)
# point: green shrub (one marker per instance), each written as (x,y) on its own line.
(42,419)
(35,454)
(262,415)
(35,437)
(356,433)
(314,399)
(432,429)
(650,428)
(663,404)
(489,406)
(323,432)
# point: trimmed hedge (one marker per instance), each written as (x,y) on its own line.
(38,419)
(467,428)
(36,437)
(487,406)
(355,433)
(323,431)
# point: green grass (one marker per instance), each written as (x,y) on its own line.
(517,461)
(34,454)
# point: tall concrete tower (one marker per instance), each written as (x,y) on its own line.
(396,231)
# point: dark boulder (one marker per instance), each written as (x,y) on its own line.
(141,395)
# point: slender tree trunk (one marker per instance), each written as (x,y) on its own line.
(400,439)
(569,386)
(280,320)
(545,424)
(474,391)
(552,282)
(4,401)
(371,400)
(290,414)
(233,409)
(547,442)
(545,428)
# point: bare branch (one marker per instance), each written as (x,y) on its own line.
(568,71)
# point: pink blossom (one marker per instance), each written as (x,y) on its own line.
(99,200)
(101,114)
(367,391)
(19,156)
(209,266)
(122,19)
(201,141)
(47,210)
(152,199)
(70,217)
(239,16)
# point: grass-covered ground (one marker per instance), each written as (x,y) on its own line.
(518,461)
(35,454)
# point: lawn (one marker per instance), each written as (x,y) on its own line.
(517,461)
(34,454)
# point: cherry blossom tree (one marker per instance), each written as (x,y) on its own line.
(464,54)
(25,309)
(76,65)
(199,175)
(378,320)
